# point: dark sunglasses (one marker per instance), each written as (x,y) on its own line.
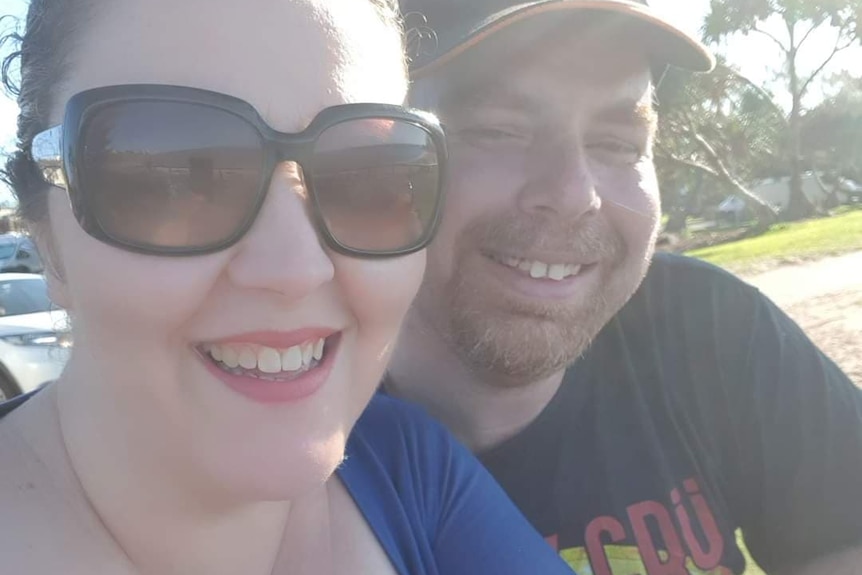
(171,170)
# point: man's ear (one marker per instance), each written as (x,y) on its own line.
(54,275)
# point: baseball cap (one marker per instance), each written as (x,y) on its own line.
(440,30)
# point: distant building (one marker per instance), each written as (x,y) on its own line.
(776,191)
(733,210)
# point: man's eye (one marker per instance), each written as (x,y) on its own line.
(615,152)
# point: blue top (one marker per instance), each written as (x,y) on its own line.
(434,508)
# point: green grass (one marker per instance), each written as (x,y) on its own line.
(789,242)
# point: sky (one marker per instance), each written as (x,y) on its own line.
(755,56)
(8,107)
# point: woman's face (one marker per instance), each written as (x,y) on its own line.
(143,324)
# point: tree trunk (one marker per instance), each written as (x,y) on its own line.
(763,212)
(676,221)
(830,193)
(798,205)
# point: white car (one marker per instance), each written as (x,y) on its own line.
(34,337)
(19,254)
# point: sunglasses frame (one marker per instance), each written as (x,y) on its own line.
(56,150)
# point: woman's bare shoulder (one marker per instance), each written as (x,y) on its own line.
(46,523)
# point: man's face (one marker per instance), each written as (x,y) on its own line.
(552,206)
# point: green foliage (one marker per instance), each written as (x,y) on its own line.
(832,132)
(728,17)
(735,16)
(800,18)
(744,130)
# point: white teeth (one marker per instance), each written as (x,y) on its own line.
(538,270)
(229,356)
(268,360)
(541,270)
(307,353)
(247,358)
(557,272)
(215,352)
(291,359)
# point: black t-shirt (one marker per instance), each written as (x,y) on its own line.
(701,408)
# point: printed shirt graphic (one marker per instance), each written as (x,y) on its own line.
(677,549)
(623,559)
(699,410)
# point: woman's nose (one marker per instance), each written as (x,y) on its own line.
(282,251)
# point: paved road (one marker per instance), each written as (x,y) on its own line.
(825,298)
(795,283)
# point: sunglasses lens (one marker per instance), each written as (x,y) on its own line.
(376,182)
(170,175)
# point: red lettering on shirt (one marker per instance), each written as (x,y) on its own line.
(638,515)
(705,559)
(675,539)
(595,545)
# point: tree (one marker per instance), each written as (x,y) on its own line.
(801,18)
(717,127)
(832,131)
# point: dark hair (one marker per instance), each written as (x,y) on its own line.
(41,52)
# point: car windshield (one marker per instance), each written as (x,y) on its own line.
(18,297)
(7,250)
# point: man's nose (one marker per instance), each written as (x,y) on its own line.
(282,251)
(559,181)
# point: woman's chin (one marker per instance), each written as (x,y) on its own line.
(279,475)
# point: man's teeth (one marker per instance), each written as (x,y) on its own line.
(267,359)
(541,270)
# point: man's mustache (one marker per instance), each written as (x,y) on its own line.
(591,239)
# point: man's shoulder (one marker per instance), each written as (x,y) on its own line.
(678,285)
(684,275)
(685,310)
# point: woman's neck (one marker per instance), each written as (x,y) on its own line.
(165,518)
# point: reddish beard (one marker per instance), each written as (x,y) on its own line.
(516,340)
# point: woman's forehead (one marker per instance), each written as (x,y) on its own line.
(288,58)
